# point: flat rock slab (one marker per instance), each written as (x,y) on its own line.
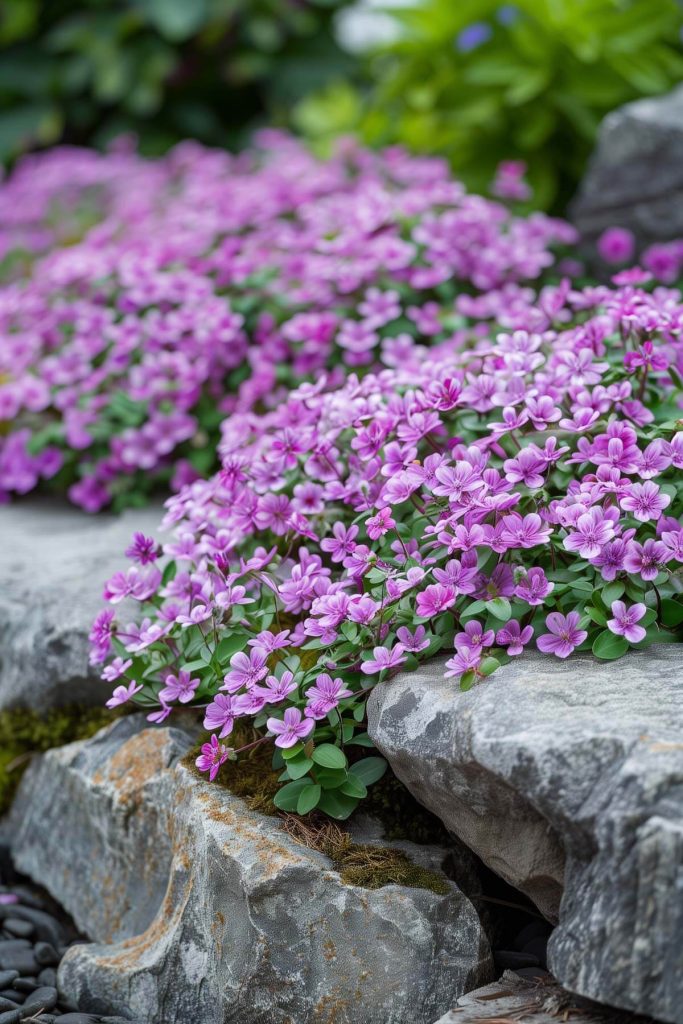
(205,911)
(54,561)
(635,177)
(530,1002)
(566,778)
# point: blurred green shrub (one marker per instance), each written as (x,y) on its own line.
(481,81)
(166,69)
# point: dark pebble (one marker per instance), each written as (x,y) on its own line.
(48,976)
(533,930)
(538,948)
(7,978)
(45,954)
(22,929)
(26,985)
(44,998)
(47,928)
(14,995)
(45,1018)
(79,1018)
(510,959)
(12,1016)
(8,1004)
(10,945)
(21,960)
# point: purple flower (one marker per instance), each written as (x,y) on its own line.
(116,668)
(514,638)
(645,501)
(213,755)
(276,690)
(646,559)
(624,621)
(592,531)
(325,695)
(291,729)
(245,670)
(379,524)
(143,549)
(563,636)
(474,636)
(524,532)
(383,659)
(220,714)
(534,587)
(179,687)
(341,543)
(617,245)
(123,693)
(413,642)
(464,660)
(200,613)
(434,599)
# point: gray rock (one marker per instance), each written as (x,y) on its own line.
(203,910)
(635,177)
(565,778)
(54,561)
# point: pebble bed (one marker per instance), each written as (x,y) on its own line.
(34,937)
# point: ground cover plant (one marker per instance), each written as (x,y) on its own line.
(145,300)
(515,484)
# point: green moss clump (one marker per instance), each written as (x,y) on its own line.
(24,733)
(253,778)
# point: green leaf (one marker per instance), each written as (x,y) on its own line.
(500,607)
(287,798)
(612,592)
(608,646)
(231,645)
(354,787)
(177,20)
(297,768)
(329,756)
(672,613)
(369,770)
(331,778)
(290,752)
(337,805)
(488,666)
(596,615)
(308,799)
(361,740)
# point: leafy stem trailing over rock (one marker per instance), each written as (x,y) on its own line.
(508,487)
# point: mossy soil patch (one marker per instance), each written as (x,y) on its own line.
(254,780)
(24,732)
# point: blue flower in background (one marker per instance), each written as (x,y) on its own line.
(476,34)
(507,14)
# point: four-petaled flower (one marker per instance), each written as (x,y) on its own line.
(563,636)
(291,728)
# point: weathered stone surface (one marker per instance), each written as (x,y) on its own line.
(564,775)
(635,177)
(54,561)
(203,910)
(532,1002)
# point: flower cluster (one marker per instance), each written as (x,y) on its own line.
(515,484)
(205,283)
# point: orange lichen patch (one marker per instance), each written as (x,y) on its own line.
(329,950)
(135,763)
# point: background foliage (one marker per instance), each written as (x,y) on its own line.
(481,81)
(86,70)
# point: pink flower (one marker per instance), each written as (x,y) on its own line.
(617,245)
(179,687)
(413,642)
(213,755)
(591,534)
(534,587)
(646,559)
(564,634)
(383,659)
(474,636)
(325,696)
(513,638)
(220,714)
(291,729)
(123,693)
(379,524)
(245,670)
(276,690)
(464,660)
(524,532)
(645,501)
(435,599)
(625,619)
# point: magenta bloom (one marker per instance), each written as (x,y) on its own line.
(180,688)
(123,693)
(625,619)
(464,659)
(591,534)
(213,755)
(474,636)
(325,695)
(291,729)
(617,245)
(383,659)
(646,559)
(534,587)
(513,638)
(645,501)
(220,714)
(379,524)
(143,549)
(245,670)
(524,532)
(413,642)
(564,634)
(276,690)
(434,599)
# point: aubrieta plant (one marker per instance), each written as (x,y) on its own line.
(515,485)
(205,284)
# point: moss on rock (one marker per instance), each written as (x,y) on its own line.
(24,732)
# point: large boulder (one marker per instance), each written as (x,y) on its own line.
(635,177)
(54,561)
(203,910)
(566,778)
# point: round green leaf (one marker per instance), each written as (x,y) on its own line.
(337,805)
(308,799)
(608,646)
(297,768)
(500,607)
(369,770)
(329,756)
(287,798)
